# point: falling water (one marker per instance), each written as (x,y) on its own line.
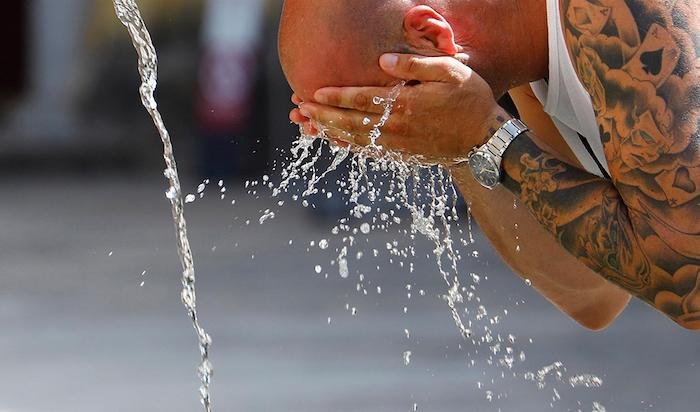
(428,194)
(129,15)
(432,215)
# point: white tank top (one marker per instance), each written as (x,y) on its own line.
(567,102)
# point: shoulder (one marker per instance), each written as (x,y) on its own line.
(637,60)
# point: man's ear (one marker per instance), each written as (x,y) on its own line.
(427,31)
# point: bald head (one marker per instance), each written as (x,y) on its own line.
(338,43)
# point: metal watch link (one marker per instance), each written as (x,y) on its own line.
(485,161)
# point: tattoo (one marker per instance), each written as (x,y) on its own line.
(638,59)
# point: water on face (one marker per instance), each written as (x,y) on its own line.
(129,15)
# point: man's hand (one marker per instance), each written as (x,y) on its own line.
(443,113)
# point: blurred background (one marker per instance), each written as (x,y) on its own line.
(89,278)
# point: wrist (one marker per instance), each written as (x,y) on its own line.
(498,117)
(485,161)
(490,124)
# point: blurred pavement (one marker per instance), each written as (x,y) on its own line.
(79,333)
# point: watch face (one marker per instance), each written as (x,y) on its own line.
(485,170)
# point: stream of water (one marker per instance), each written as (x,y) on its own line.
(130,16)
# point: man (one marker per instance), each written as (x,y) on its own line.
(613,172)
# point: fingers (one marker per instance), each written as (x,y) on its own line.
(358,98)
(353,126)
(345,127)
(343,119)
(296,117)
(426,69)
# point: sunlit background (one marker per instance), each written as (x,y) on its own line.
(90,312)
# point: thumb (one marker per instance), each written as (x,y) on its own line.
(444,69)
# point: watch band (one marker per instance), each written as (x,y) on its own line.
(499,142)
(503,137)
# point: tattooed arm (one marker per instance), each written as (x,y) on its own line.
(527,247)
(638,61)
(641,230)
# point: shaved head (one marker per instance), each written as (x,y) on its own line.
(338,43)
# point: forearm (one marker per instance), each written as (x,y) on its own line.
(535,255)
(589,219)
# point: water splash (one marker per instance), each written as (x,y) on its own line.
(586,380)
(129,15)
(381,185)
(407,357)
(426,192)
(597,407)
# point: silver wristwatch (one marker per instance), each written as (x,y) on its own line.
(485,161)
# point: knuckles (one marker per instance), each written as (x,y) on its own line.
(333,99)
(397,127)
(361,102)
(410,64)
(352,123)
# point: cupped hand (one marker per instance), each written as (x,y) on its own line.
(441,115)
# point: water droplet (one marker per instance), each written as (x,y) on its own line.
(171,193)
(407,358)
(365,228)
(190,198)
(266,216)
(585,380)
(343,263)
(597,407)
(318,269)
